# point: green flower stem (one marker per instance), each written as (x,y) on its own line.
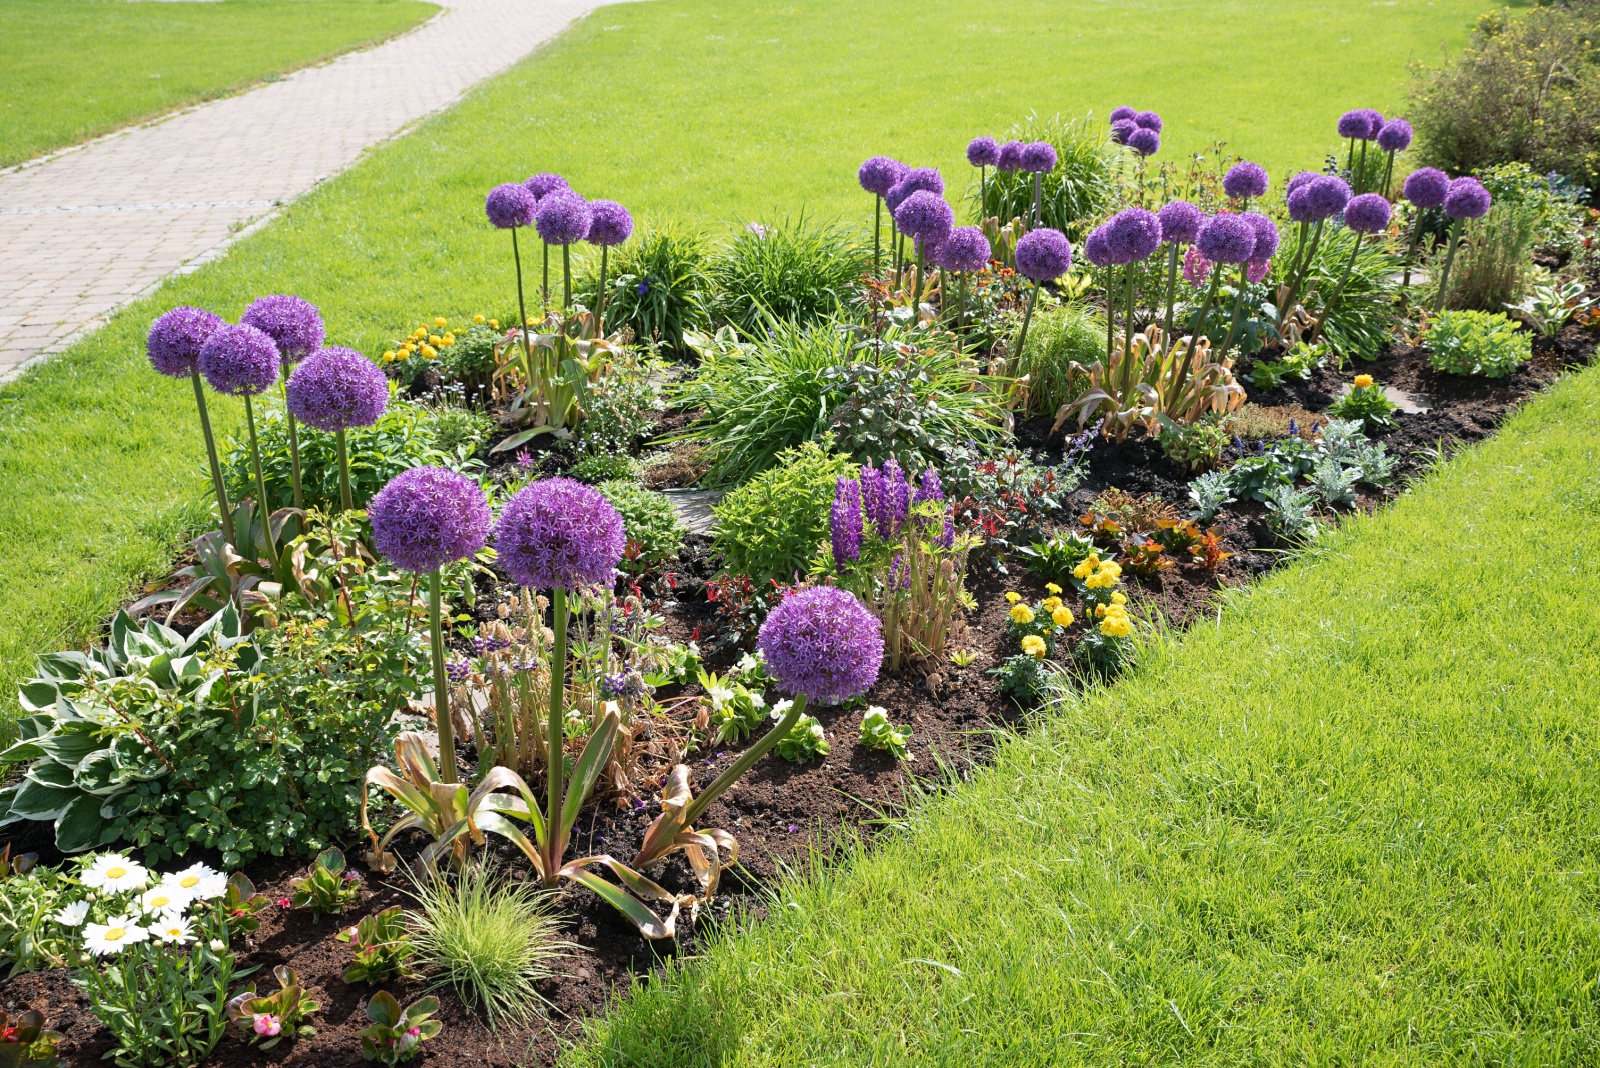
(346,501)
(1350,157)
(1238,306)
(294,448)
(600,296)
(546,278)
(877,232)
(1411,252)
(441,684)
(1327,309)
(1027,317)
(1449,258)
(1388,175)
(554,767)
(894,240)
(983,194)
(1361,176)
(1110,318)
(262,507)
(961,305)
(916,286)
(566,277)
(1172,288)
(1127,333)
(1211,297)
(522,308)
(1300,275)
(719,786)
(1038,197)
(218,487)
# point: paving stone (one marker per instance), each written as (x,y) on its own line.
(694,508)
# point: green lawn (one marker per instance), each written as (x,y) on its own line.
(690,109)
(76,69)
(1351,823)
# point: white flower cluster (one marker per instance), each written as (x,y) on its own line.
(142,911)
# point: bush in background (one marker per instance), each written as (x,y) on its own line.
(1059,336)
(799,271)
(770,527)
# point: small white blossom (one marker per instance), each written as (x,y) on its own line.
(72,915)
(115,872)
(780,708)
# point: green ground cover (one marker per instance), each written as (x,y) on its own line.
(76,69)
(1349,823)
(700,111)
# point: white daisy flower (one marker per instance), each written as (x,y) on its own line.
(198,882)
(72,915)
(174,930)
(164,899)
(217,945)
(107,939)
(115,872)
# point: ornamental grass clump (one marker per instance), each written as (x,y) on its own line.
(241,361)
(422,520)
(173,347)
(295,327)
(1465,199)
(334,390)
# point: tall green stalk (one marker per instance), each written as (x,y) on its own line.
(294,445)
(441,684)
(1238,306)
(262,506)
(1205,307)
(1038,198)
(546,289)
(1295,286)
(566,277)
(1027,317)
(1449,258)
(1338,290)
(1111,318)
(747,760)
(600,298)
(1411,253)
(877,232)
(1172,287)
(554,765)
(346,500)
(1361,177)
(218,486)
(522,308)
(1127,334)
(983,194)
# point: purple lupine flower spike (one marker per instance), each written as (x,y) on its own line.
(845,520)
(929,489)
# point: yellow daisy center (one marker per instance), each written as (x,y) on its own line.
(188,881)
(116,934)
(116,873)
(160,901)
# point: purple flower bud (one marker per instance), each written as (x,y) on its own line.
(1227,239)
(1367,213)
(1245,181)
(563,218)
(965,249)
(1180,222)
(1043,254)
(1467,199)
(947,540)
(983,152)
(823,644)
(1266,236)
(176,339)
(1427,188)
(1132,234)
(930,488)
(1148,120)
(293,324)
(897,493)
(925,216)
(1039,157)
(1145,141)
(1123,114)
(560,534)
(845,520)
(879,174)
(428,517)
(1010,157)
(1121,130)
(611,224)
(542,185)
(239,360)
(915,180)
(510,205)
(336,389)
(1395,136)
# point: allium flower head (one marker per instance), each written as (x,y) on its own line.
(239,360)
(427,517)
(1395,136)
(560,534)
(336,389)
(1180,222)
(1043,254)
(1367,213)
(1148,120)
(1094,247)
(915,180)
(1354,124)
(1467,199)
(1145,141)
(965,249)
(1301,179)
(563,218)
(1039,157)
(1121,130)
(822,643)
(542,185)
(1321,198)
(293,324)
(1245,181)
(1123,114)
(176,339)
(844,520)
(1010,158)
(510,205)
(983,152)
(611,224)
(1266,236)
(925,216)
(880,173)
(1133,234)
(1227,239)
(1427,187)
(1374,122)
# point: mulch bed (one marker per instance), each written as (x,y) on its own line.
(781,812)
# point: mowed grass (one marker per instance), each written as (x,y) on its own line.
(76,69)
(1351,822)
(704,112)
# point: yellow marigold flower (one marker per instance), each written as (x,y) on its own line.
(440,321)
(495,323)
(1052,588)
(1099,580)
(1119,598)
(1082,570)
(1034,646)
(389,356)
(1363,381)
(1112,568)
(1051,603)
(477,318)
(434,339)
(1013,598)
(429,351)
(1062,616)
(1115,626)
(1021,613)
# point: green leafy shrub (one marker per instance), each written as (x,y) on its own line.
(1078,191)
(658,288)
(1054,558)
(324,889)
(395,1034)
(1476,343)
(654,531)
(770,527)
(805,742)
(799,271)
(1059,336)
(1194,446)
(617,409)
(1022,679)
(599,467)
(382,945)
(30,937)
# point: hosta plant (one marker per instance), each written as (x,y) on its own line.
(382,945)
(267,1020)
(1143,382)
(327,888)
(395,1034)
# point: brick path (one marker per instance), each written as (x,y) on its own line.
(91,228)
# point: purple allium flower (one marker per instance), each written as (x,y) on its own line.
(1374,122)
(823,644)
(1367,213)
(1132,234)
(929,488)
(915,180)
(176,339)
(1245,181)
(293,324)
(1180,222)
(1266,236)
(879,174)
(1145,141)
(983,152)
(1427,188)
(1121,130)
(1323,197)
(1301,179)
(542,185)
(1094,247)
(336,389)
(925,216)
(1354,124)
(611,225)
(1043,254)
(1148,120)
(1039,157)
(845,520)
(560,534)
(428,517)
(510,205)
(1227,239)
(1395,136)
(563,218)
(1010,158)
(1467,199)
(239,360)
(965,249)
(1123,114)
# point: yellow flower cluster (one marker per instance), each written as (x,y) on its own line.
(1021,613)
(1114,622)
(1034,646)
(1061,616)
(1363,381)
(1097,574)
(1013,597)
(426,339)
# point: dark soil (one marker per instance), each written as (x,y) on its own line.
(781,812)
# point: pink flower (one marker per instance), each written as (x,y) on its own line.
(266,1025)
(1257,271)
(1196,268)
(283,902)
(413,1032)
(757,229)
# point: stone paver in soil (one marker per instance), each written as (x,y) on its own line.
(86,230)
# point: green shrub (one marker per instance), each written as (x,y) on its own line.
(1363,319)
(1492,267)
(617,408)
(596,468)
(1476,343)
(653,528)
(1057,337)
(1078,191)
(797,270)
(770,527)
(658,287)
(1195,446)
